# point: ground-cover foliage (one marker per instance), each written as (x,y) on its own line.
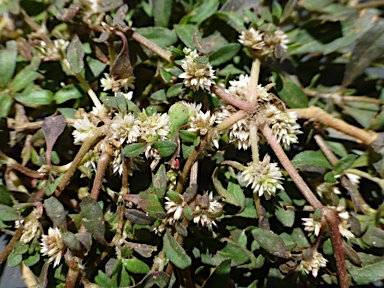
(187,143)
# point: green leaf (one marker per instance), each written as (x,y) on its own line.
(51,187)
(234,195)
(178,116)
(70,240)
(14,259)
(93,218)
(224,54)
(368,274)
(187,136)
(159,181)
(67,93)
(374,237)
(367,49)
(125,279)
(312,158)
(175,90)
(24,78)
(35,97)
(133,150)
(204,11)
(75,55)
(175,253)
(32,259)
(159,95)
(159,35)
(285,216)
(56,212)
(7,63)
(95,66)
(103,280)
(185,32)
(148,202)
(6,102)
(20,248)
(232,251)
(220,276)
(165,75)
(288,9)
(344,163)
(290,93)
(8,213)
(271,242)
(162,10)
(165,148)
(135,265)
(5,196)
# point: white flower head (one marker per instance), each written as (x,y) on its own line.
(327,189)
(84,128)
(312,226)
(238,133)
(174,210)
(125,128)
(153,127)
(198,73)
(263,176)
(202,122)
(283,125)
(52,245)
(252,39)
(344,225)
(207,210)
(192,107)
(116,85)
(239,88)
(312,262)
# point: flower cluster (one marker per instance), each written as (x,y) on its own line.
(312,262)
(53,52)
(116,85)
(83,130)
(264,44)
(313,225)
(198,73)
(282,123)
(52,245)
(263,176)
(199,121)
(207,210)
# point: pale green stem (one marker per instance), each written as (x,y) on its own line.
(87,87)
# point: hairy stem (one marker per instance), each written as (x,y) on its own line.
(228,122)
(295,176)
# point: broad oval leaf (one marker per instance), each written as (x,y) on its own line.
(271,242)
(312,158)
(165,148)
(75,55)
(7,63)
(158,35)
(67,93)
(56,212)
(135,265)
(175,252)
(35,97)
(133,150)
(224,54)
(93,218)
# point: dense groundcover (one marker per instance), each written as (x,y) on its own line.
(189,143)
